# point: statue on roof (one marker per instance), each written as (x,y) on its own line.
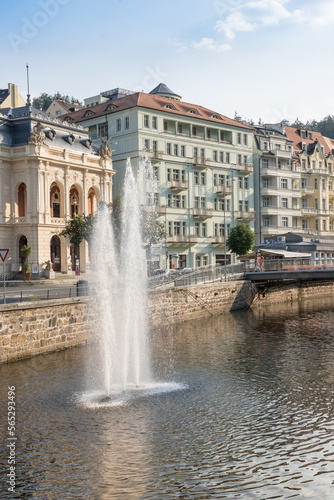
(105,150)
(37,136)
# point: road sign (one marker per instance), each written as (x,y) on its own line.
(3,253)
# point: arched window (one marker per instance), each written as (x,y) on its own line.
(22,241)
(91,202)
(55,201)
(74,201)
(21,199)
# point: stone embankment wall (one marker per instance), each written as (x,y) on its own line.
(36,328)
(30,329)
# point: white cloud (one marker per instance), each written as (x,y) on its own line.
(210,44)
(257,14)
(180,46)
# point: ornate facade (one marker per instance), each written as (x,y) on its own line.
(49,172)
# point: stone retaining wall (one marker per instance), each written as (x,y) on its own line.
(36,328)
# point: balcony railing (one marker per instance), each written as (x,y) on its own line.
(178,185)
(307,190)
(246,215)
(182,238)
(154,154)
(202,212)
(198,161)
(217,240)
(223,190)
(244,167)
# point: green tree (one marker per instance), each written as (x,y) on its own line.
(44,100)
(241,239)
(79,228)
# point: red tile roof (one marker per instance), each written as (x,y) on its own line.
(293,134)
(140,99)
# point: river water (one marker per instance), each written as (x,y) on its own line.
(245,411)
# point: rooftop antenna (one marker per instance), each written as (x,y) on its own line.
(28,95)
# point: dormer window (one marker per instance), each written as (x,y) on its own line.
(309,135)
(302,134)
(169,106)
(111,106)
(193,112)
(89,113)
(217,117)
(69,138)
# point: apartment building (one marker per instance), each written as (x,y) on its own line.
(277,183)
(203,162)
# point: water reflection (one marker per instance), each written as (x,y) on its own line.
(255,419)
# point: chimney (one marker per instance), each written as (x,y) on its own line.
(14,95)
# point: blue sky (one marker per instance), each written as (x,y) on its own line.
(268,59)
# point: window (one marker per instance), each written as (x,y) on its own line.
(284,203)
(198,261)
(146,121)
(316,225)
(154,122)
(168,174)
(245,159)
(265,163)
(265,182)
(208,134)
(215,156)
(246,205)
(203,178)
(118,124)
(126,122)
(204,229)
(202,153)
(245,140)
(169,228)
(239,138)
(196,177)
(265,146)
(304,202)
(203,202)
(205,260)
(176,150)
(315,183)
(240,182)
(227,157)
(284,183)
(156,173)
(195,152)
(323,184)
(194,130)
(266,221)
(154,146)
(169,200)
(183,151)
(265,201)
(146,144)
(103,130)
(176,175)
(177,228)
(196,201)
(324,225)
(246,183)
(324,204)
(285,221)
(197,228)
(169,148)
(304,224)
(331,226)
(165,126)
(179,128)
(316,205)
(184,228)
(304,164)
(313,164)
(239,159)
(241,205)
(221,156)
(221,135)
(183,201)
(303,182)
(183,175)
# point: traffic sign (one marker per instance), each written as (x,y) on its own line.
(3,254)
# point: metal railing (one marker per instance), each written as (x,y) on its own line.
(35,293)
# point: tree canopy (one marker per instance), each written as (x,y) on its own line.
(241,239)
(44,100)
(79,228)
(324,126)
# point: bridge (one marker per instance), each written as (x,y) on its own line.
(302,275)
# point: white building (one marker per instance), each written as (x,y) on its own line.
(203,162)
(49,172)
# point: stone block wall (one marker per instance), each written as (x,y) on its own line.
(30,329)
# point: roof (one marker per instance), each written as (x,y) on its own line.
(294,135)
(154,102)
(279,253)
(162,89)
(4,93)
(68,106)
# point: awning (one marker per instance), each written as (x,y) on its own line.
(284,254)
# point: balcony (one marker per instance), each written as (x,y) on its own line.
(223,190)
(182,238)
(202,213)
(309,211)
(246,168)
(57,220)
(246,215)
(200,162)
(217,240)
(154,154)
(178,185)
(281,153)
(307,190)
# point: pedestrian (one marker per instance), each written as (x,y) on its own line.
(257,264)
(262,263)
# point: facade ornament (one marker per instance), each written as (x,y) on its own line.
(37,136)
(105,150)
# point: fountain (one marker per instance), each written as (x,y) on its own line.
(120,274)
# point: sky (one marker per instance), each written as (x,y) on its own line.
(262,59)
